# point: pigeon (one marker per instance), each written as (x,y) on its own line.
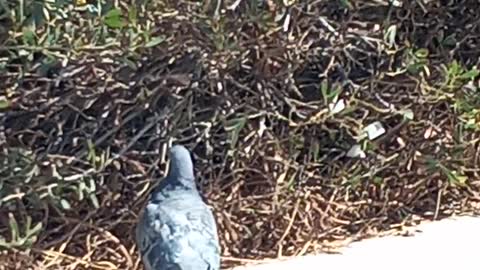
(177,230)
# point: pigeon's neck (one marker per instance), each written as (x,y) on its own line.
(181,170)
(181,182)
(171,186)
(178,179)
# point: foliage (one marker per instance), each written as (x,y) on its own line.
(92,93)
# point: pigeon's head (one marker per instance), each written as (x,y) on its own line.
(181,165)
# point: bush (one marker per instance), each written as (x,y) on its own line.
(279,105)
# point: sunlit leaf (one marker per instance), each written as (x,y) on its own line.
(4,102)
(113,19)
(155,41)
(132,15)
(472,74)
(28,36)
(94,200)
(65,204)
(115,12)
(421,53)
(13,227)
(234,127)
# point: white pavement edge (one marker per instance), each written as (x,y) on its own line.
(452,243)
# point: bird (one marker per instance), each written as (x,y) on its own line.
(177,230)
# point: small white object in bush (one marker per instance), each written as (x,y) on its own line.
(374,130)
(356,151)
(337,107)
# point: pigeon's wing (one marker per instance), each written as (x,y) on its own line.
(179,233)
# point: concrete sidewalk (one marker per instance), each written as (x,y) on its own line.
(446,244)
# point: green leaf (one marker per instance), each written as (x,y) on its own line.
(432,164)
(155,41)
(328,94)
(132,15)
(345,4)
(13,227)
(4,102)
(129,63)
(472,74)
(36,229)
(28,36)
(377,180)
(92,186)
(94,200)
(324,90)
(51,192)
(471,124)
(115,12)
(113,19)
(454,68)
(390,35)
(421,53)
(407,114)
(234,127)
(354,181)
(115,22)
(65,204)
(315,151)
(461,179)
(29,231)
(449,40)
(92,155)
(415,68)
(81,189)
(3,243)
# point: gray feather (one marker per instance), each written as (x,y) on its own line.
(177,230)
